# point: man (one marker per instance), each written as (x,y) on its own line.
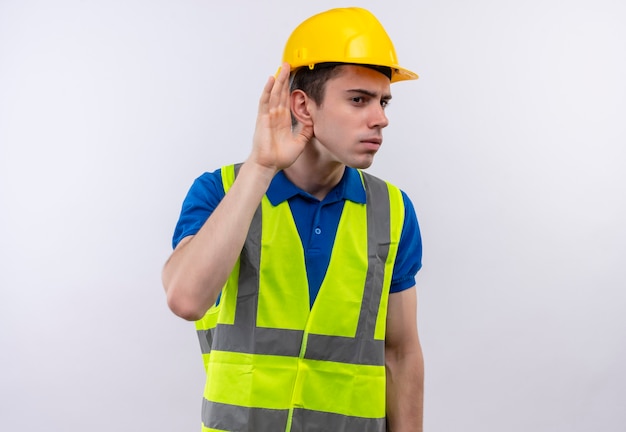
(299,268)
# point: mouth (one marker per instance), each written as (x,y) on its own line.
(375,140)
(372,143)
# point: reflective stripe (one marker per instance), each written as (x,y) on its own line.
(396,217)
(318,421)
(260,340)
(248,292)
(242,419)
(205,330)
(287,342)
(206,339)
(341,349)
(379,238)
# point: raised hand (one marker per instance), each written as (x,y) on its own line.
(275,145)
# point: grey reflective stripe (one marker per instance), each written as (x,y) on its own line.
(357,350)
(206,339)
(248,287)
(242,419)
(379,239)
(318,421)
(261,340)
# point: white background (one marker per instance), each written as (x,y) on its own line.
(511,145)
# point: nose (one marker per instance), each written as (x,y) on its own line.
(378,117)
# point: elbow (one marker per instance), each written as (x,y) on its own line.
(183,307)
(398,355)
(186,297)
(180,301)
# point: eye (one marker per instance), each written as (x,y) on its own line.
(358,99)
(384,103)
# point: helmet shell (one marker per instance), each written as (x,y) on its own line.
(343,35)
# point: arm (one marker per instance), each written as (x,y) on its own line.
(200,265)
(404,364)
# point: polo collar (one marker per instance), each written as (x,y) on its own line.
(350,187)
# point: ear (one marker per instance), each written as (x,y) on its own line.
(300,107)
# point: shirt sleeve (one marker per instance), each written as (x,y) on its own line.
(205,194)
(409,257)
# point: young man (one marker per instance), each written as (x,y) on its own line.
(299,268)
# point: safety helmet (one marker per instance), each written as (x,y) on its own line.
(343,35)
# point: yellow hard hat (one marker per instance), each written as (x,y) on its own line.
(343,35)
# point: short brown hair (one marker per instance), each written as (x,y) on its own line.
(313,81)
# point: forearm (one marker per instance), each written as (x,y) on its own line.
(198,269)
(405,391)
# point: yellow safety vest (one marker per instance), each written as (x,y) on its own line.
(274,363)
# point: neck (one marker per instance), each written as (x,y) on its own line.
(314,173)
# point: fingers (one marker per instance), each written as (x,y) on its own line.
(276,90)
(279,96)
(282,74)
(265,96)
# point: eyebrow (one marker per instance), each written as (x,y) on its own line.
(385,97)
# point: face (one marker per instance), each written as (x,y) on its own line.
(349,121)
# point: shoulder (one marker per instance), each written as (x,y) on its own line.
(370,180)
(203,196)
(208,181)
(373,184)
(395,193)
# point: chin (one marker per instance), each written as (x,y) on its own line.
(363,163)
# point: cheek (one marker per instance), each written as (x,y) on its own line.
(330,133)
(334,121)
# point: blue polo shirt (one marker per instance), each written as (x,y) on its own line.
(315,220)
